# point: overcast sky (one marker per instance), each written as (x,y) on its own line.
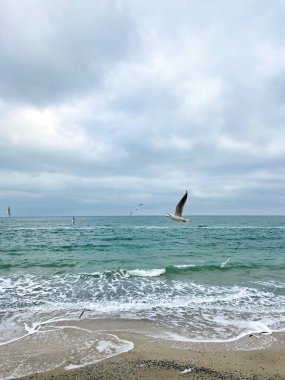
(106,104)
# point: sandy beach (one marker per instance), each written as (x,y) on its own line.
(161,359)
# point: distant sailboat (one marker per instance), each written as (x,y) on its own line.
(73,220)
(9,211)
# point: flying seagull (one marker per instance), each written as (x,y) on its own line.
(136,209)
(178,211)
(223,263)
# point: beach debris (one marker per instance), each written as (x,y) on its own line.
(187,370)
(178,211)
(223,263)
(260,333)
(253,335)
(81,313)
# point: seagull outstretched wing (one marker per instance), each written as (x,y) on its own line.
(180,205)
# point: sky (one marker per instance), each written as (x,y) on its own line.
(107,104)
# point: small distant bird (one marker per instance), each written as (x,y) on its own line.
(136,209)
(223,263)
(178,211)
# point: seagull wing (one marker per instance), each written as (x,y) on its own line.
(180,205)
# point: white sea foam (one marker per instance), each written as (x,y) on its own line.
(217,312)
(244,227)
(151,227)
(147,273)
(272,284)
(106,349)
(81,347)
(32,329)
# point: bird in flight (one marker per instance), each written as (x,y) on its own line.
(179,208)
(140,204)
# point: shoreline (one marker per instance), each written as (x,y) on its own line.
(162,362)
(154,358)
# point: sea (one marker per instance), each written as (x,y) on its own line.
(212,279)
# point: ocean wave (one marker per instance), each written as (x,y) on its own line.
(218,313)
(137,287)
(151,227)
(182,266)
(273,284)
(244,227)
(147,273)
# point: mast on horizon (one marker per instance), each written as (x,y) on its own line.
(9,211)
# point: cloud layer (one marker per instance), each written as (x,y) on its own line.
(106,104)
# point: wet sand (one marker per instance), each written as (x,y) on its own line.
(159,359)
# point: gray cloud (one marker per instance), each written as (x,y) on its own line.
(106,104)
(51,52)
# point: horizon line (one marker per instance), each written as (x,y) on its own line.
(131,216)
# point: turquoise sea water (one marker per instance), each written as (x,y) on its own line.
(145,268)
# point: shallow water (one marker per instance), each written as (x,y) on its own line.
(209,280)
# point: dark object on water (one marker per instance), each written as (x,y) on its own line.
(262,332)
(81,313)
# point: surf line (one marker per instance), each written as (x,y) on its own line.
(112,275)
(110,278)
